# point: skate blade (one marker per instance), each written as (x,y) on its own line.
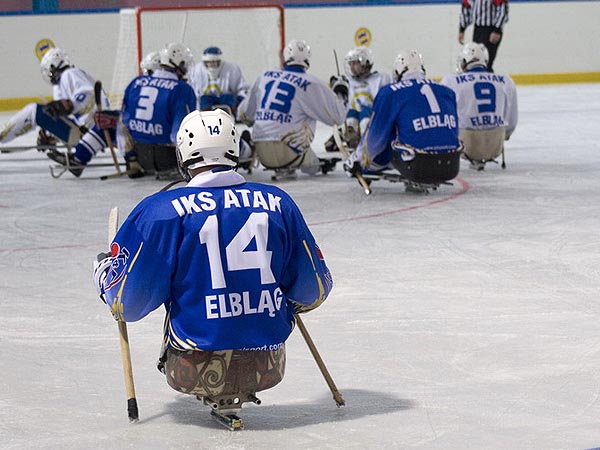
(229,421)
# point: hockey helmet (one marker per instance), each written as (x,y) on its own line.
(150,63)
(207,138)
(54,62)
(177,57)
(359,62)
(213,60)
(408,62)
(473,55)
(297,53)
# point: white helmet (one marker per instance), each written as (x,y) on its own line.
(213,55)
(473,55)
(150,63)
(177,57)
(54,62)
(408,62)
(296,53)
(363,56)
(207,138)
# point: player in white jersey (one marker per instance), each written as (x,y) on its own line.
(364,85)
(284,106)
(218,83)
(487,106)
(71,112)
(69,117)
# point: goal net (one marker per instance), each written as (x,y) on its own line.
(251,36)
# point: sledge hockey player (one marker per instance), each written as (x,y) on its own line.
(414,129)
(218,83)
(487,106)
(153,107)
(283,107)
(69,117)
(231,261)
(364,86)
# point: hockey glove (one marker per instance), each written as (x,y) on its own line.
(339,85)
(134,168)
(106,120)
(352,166)
(45,140)
(101,268)
(330,145)
(58,108)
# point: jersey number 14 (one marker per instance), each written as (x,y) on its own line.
(256,228)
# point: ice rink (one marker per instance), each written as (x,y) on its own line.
(465,319)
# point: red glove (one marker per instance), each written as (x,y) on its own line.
(106,119)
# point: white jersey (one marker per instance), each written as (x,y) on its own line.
(78,86)
(363,91)
(230,80)
(289,102)
(485,99)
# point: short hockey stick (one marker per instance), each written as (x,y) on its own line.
(98,99)
(337,397)
(39,148)
(337,64)
(340,144)
(344,151)
(132,408)
(82,128)
(503,160)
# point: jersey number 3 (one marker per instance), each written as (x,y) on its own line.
(256,229)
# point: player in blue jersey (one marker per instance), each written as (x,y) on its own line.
(231,261)
(153,108)
(414,128)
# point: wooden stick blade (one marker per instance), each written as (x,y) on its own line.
(132,408)
(113,224)
(337,396)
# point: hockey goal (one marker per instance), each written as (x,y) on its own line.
(249,35)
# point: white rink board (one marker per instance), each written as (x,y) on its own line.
(541,38)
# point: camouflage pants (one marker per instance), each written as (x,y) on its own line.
(224,373)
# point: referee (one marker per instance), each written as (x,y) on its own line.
(488,17)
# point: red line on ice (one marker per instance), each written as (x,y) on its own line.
(464,188)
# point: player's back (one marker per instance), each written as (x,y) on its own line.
(484,99)
(424,113)
(231,250)
(287,100)
(153,106)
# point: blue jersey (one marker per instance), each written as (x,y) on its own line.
(415,112)
(154,106)
(230,260)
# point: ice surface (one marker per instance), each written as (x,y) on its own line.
(465,319)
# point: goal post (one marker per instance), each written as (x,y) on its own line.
(252,36)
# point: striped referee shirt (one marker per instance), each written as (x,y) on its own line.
(483,13)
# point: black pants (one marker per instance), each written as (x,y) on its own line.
(481,35)
(156,158)
(431,168)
